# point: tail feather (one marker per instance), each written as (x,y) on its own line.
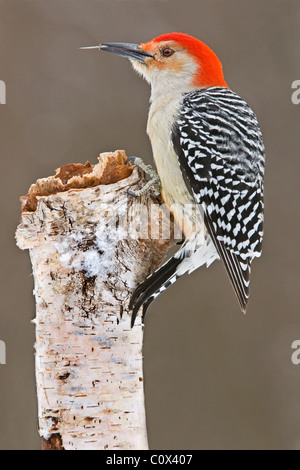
(152,287)
(194,253)
(153,278)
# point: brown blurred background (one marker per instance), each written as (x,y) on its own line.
(214,378)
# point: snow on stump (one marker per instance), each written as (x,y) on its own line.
(90,246)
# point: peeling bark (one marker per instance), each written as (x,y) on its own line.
(89,368)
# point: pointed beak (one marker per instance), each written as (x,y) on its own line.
(130,51)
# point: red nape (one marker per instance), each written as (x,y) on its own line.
(210,71)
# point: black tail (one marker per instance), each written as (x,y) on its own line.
(237,269)
(154,285)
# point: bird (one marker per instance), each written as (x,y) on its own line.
(209,155)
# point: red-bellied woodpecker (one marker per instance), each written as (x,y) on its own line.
(209,153)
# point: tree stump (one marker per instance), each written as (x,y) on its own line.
(90,245)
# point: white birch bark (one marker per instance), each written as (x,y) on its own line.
(89,363)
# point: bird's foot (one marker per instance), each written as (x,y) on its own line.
(153,183)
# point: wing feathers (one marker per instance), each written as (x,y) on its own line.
(239,278)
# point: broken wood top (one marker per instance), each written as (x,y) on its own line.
(110,169)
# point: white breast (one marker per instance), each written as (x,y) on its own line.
(175,193)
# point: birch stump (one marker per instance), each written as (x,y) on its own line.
(90,245)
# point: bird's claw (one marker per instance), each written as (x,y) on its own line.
(154,182)
(133,160)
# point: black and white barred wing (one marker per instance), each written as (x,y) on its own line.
(220,150)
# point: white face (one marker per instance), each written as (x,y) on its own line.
(171,69)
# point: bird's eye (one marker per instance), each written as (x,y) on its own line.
(167,52)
